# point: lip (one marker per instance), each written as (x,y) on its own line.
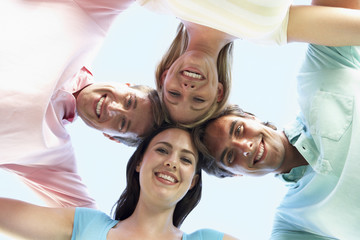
(162,180)
(193,70)
(257,152)
(102,106)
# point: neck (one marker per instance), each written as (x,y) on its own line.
(292,158)
(151,221)
(76,94)
(206,39)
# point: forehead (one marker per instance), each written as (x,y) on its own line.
(178,138)
(218,133)
(119,87)
(182,112)
(222,125)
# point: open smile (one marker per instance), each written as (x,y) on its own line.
(192,74)
(260,153)
(166,177)
(99,106)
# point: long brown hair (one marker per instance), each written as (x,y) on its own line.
(128,200)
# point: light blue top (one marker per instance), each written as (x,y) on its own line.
(323,201)
(90,224)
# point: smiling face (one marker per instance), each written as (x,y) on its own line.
(116,109)
(245,146)
(190,86)
(167,170)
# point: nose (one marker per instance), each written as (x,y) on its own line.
(188,85)
(244,145)
(171,163)
(115,108)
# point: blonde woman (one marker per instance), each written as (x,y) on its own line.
(194,76)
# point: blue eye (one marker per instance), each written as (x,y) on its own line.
(199,100)
(128,104)
(239,130)
(186,160)
(161,150)
(122,124)
(229,158)
(174,94)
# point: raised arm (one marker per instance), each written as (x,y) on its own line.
(29,221)
(326,22)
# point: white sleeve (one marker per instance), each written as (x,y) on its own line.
(260,21)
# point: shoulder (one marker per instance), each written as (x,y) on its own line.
(297,235)
(208,234)
(90,222)
(86,215)
(319,56)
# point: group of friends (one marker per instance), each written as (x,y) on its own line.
(185,125)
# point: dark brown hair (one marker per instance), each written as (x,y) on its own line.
(128,200)
(210,165)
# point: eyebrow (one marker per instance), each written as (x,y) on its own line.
(231,131)
(135,103)
(128,126)
(197,109)
(188,151)
(222,158)
(232,126)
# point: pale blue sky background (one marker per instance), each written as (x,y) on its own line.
(263,83)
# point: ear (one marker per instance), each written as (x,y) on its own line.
(251,116)
(162,78)
(194,181)
(220,92)
(138,166)
(111,138)
(237,175)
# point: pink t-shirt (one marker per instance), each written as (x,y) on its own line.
(43,45)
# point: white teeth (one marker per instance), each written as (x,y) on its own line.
(192,74)
(261,152)
(166,177)
(98,106)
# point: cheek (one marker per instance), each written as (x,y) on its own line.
(88,121)
(208,91)
(169,83)
(189,176)
(276,155)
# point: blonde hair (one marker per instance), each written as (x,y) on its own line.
(224,66)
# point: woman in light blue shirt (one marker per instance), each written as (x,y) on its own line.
(163,186)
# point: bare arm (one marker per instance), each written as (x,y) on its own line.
(354,4)
(29,221)
(331,26)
